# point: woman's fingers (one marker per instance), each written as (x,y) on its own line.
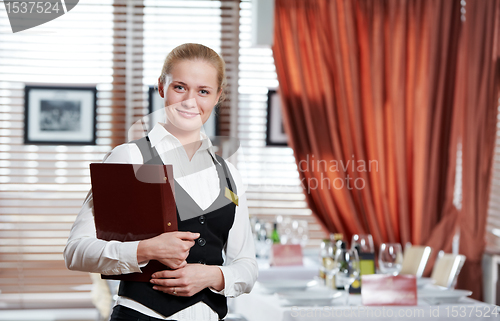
(168,274)
(187,236)
(171,248)
(169,281)
(179,291)
(187,281)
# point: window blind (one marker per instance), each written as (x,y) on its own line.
(271,173)
(43,187)
(493,223)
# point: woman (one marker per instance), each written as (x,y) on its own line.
(191,83)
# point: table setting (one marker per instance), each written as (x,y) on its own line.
(344,282)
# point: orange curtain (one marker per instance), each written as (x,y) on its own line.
(372,107)
(479,94)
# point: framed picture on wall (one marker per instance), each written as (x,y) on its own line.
(61,115)
(157,114)
(275,131)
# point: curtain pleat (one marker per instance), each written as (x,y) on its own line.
(480,97)
(385,88)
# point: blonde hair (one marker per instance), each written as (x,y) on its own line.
(195,51)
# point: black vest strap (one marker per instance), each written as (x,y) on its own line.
(149,154)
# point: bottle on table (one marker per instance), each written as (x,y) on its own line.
(275,237)
(324,257)
(339,243)
(328,255)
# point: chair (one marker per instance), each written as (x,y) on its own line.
(415,259)
(447,268)
(103,295)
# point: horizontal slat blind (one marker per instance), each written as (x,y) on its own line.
(271,173)
(493,223)
(128,65)
(43,187)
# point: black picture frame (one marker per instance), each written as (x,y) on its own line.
(157,114)
(155,105)
(60,115)
(275,131)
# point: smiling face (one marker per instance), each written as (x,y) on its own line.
(190,94)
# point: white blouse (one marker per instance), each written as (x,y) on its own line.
(84,252)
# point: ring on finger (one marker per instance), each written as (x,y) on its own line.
(173,292)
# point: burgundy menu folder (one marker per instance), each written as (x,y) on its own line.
(133,202)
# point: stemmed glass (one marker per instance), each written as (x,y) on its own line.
(300,232)
(346,268)
(390,258)
(365,242)
(285,230)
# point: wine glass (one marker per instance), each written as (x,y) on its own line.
(346,268)
(365,242)
(303,232)
(285,230)
(262,242)
(300,232)
(390,258)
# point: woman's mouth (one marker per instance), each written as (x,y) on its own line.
(186,114)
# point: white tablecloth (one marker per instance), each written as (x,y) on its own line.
(260,306)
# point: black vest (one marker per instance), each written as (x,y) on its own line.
(213,224)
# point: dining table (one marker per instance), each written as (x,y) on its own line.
(264,305)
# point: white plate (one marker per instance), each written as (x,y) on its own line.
(310,298)
(442,296)
(286,285)
(422,282)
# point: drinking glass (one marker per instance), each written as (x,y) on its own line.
(365,242)
(300,232)
(285,229)
(346,265)
(390,258)
(262,242)
(303,232)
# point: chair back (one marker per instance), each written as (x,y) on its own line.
(415,259)
(447,268)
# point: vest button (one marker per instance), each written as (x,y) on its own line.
(202,241)
(202,219)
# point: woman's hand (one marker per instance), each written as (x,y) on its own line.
(188,280)
(171,248)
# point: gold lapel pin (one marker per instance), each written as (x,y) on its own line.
(231,196)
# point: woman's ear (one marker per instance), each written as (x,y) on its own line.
(218,97)
(160,88)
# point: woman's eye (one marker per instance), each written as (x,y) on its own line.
(204,92)
(179,87)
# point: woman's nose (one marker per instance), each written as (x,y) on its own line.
(189,103)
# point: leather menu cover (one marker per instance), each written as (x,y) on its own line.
(133,202)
